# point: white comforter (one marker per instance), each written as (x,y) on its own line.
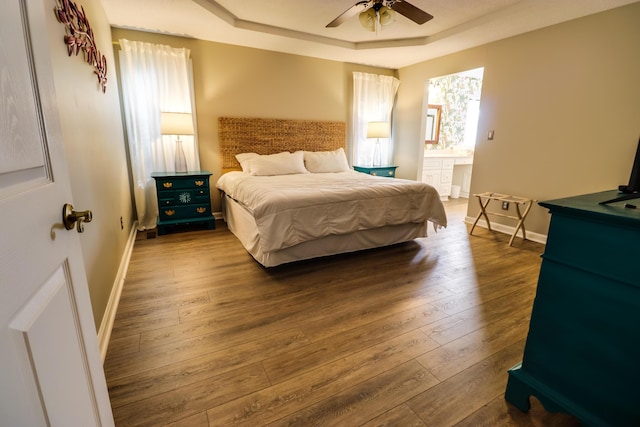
(291,209)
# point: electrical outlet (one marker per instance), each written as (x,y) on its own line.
(505,206)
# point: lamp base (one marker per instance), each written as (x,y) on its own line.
(377,156)
(180,158)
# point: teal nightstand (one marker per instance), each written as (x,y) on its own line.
(183,198)
(388,171)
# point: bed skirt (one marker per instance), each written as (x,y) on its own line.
(242,224)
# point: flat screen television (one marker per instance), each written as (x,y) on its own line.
(631,190)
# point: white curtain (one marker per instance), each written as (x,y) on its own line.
(154,78)
(373,100)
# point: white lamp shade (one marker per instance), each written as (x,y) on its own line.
(378,130)
(176,124)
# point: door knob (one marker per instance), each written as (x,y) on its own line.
(71,217)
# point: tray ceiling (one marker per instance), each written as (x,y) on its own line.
(299,26)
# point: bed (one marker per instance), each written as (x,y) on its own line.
(288,193)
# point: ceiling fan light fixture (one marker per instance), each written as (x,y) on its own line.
(381,13)
(386,16)
(368,19)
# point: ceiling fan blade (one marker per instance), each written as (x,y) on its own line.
(361,6)
(418,16)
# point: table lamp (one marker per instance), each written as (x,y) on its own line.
(378,130)
(177,124)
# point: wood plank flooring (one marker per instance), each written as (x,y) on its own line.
(417,334)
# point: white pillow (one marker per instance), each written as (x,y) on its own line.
(326,161)
(245,160)
(278,164)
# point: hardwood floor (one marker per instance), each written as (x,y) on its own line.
(417,334)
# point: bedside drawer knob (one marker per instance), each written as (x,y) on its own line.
(167,184)
(169,212)
(199,183)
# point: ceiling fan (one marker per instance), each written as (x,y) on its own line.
(375,9)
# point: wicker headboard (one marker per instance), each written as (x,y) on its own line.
(269,136)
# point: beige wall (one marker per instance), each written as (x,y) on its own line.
(94,147)
(564,103)
(243,82)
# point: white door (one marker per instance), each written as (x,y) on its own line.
(50,366)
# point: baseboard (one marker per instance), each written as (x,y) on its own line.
(106,326)
(506,229)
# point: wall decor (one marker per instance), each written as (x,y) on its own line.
(79,37)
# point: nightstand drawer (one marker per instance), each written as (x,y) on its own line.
(173,213)
(384,172)
(183,197)
(169,184)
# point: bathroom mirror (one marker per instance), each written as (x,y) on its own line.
(433,124)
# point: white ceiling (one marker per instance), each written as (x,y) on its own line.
(298,26)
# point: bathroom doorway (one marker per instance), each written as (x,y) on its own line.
(451,123)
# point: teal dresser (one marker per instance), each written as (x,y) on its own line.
(388,171)
(183,198)
(582,354)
